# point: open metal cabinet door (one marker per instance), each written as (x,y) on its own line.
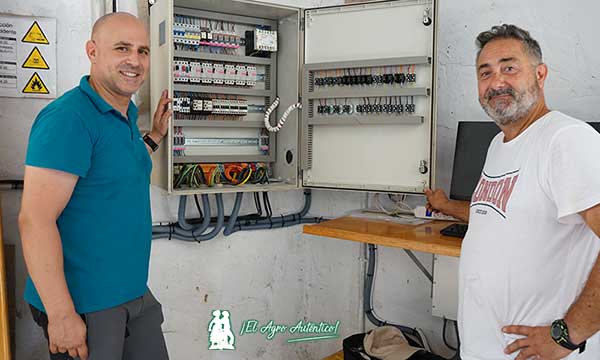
(161,54)
(368,96)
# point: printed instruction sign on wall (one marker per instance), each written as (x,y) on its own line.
(27,56)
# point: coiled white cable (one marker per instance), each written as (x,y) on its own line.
(283,118)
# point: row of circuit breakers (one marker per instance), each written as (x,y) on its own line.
(240,107)
(213,73)
(205,37)
(194,32)
(211,106)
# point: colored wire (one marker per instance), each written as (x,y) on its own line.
(248,177)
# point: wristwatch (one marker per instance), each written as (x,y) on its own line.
(148,140)
(560,335)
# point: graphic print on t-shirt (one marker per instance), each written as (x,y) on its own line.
(495,191)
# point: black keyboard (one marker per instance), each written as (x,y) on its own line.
(455,230)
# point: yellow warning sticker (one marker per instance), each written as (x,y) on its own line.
(35,60)
(35,85)
(35,35)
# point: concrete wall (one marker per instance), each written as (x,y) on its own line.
(282,275)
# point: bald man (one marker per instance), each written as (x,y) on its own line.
(85,218)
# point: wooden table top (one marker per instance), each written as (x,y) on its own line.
(424,238)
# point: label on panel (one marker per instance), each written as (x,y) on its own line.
(27,56)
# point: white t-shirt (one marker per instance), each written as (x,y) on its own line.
(528,253)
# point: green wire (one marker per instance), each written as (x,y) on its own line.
(186,170)
(179,177)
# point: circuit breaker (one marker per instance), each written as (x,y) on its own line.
(354,84)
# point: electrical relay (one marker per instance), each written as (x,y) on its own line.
(260,42)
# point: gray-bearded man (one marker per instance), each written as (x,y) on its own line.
(529,274)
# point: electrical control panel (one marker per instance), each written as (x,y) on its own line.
(357,102)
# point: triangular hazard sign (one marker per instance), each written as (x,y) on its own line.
(35,60)
(35,85)
(35,35)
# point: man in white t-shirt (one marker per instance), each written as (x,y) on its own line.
(529,283)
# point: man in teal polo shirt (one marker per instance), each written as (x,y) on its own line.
(85,217)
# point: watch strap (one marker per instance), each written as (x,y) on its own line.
(564,340)
(148,140)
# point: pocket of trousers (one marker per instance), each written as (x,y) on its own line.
(38,316)
(152,304)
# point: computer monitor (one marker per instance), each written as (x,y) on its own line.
(472,141)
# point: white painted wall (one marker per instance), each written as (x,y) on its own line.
(567,35)
(282,274)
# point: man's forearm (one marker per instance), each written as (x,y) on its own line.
(458,209)
(42,250)
(583,318)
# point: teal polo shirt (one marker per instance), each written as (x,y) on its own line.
(106,227)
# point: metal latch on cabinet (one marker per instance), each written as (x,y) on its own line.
(423,169)
(427,17)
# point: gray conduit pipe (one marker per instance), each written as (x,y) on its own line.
(178,233)
(184,225)
(276,224)
(234,214)
(220,220)
(279,221)
(368,293)
(173,231)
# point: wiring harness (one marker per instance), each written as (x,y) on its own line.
(236,174)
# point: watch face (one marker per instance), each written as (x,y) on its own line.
(556,331)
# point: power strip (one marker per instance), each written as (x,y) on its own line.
(422,213)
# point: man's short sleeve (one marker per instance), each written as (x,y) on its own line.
(574,171)
(59,140)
